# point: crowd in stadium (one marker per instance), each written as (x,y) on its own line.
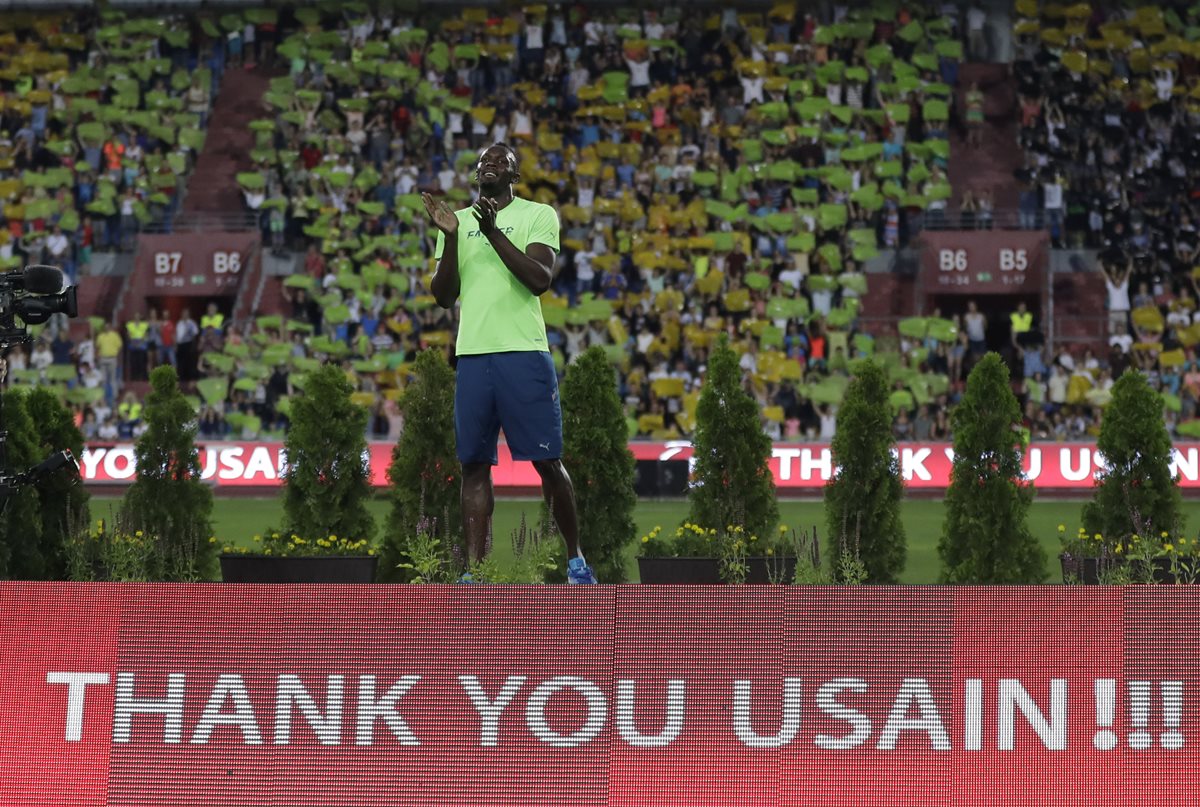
(101,122)
(694,197)
(1108,125)
(727,174)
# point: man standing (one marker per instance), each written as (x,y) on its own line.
(186,332)
(109,344)
(138,330)
(498,256)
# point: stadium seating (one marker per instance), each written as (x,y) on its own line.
(724,173)
(828,137)
(104,120)
(1108,102)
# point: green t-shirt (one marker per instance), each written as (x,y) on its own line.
(498,314)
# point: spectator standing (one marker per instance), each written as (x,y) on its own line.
(986,205)
(137,330)
(976,325)
(1028,202)
(1021,321)
(1116,280)
(197,101)
(212,318)
(828,421)
(166,341)
(129,415)
(974,103)
(58,252)
(1053,192)
(922,424)
(977,44)
(41,357)
(85,350)
(186,333)
(62,348)
(153,340)
(109,345)
(967,210)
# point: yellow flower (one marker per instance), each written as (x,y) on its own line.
(1097,537)
(257,538)
(1119,549)
(333,537)
(212,539)
(1062,528)
(712,532)
(1168,547)
(770,551)
(1164,534)
(138,533)
(782,529)
(753,537)
(274,535)
(370,551)
(645,539)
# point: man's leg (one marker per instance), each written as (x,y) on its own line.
(478,502)
(476,429)
(560,496)
(532,420)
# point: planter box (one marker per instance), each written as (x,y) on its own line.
(1081,570)
(1088,571)
(707,571)
(264,569)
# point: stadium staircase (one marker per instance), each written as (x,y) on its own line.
(98,295)
(1079,297)
(213,186)
(893,295)
(890,297)
(1080,302)
(991,166)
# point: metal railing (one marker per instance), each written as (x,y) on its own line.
(239,221)
(243,220)
(1007,219)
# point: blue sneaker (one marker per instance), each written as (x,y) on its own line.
(579,573)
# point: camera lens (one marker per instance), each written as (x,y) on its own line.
(36,310)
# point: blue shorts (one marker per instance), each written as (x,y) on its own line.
(514,391)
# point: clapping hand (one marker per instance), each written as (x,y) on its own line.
(485,214)
(441,214)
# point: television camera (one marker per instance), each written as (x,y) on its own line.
(29,296)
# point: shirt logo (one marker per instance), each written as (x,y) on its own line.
(477,234)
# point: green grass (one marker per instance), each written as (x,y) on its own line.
(236,520)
